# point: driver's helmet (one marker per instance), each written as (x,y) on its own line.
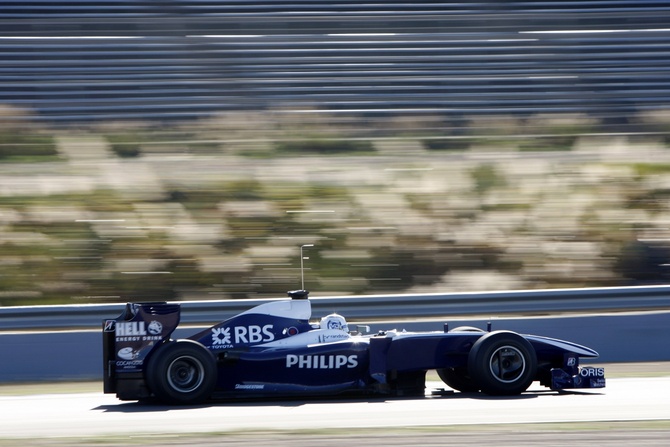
(334,321)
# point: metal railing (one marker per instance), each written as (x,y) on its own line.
(369,308)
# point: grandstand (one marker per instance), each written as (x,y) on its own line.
(93,60)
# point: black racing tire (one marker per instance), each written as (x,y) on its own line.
(502,363)
(182,372)
(467,329)
(458,379)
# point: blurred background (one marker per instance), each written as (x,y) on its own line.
(185,150)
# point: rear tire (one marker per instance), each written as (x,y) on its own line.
(182,372)
(502,363)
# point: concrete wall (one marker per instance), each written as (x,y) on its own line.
(77,355)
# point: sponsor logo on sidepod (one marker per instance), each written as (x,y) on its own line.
(222,337)
(321,361)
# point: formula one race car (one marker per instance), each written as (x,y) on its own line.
(273,350)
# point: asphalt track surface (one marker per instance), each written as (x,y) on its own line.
(631,410)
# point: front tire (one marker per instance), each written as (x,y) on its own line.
(182,372)
(502,363)
(458,379)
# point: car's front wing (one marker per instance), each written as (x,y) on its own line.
(581,377)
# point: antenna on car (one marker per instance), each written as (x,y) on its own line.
(302,268)
(302,293)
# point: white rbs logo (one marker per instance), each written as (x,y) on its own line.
(321,361)
(242,334)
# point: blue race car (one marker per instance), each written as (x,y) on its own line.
(273,350)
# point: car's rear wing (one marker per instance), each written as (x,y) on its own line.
(128,339)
